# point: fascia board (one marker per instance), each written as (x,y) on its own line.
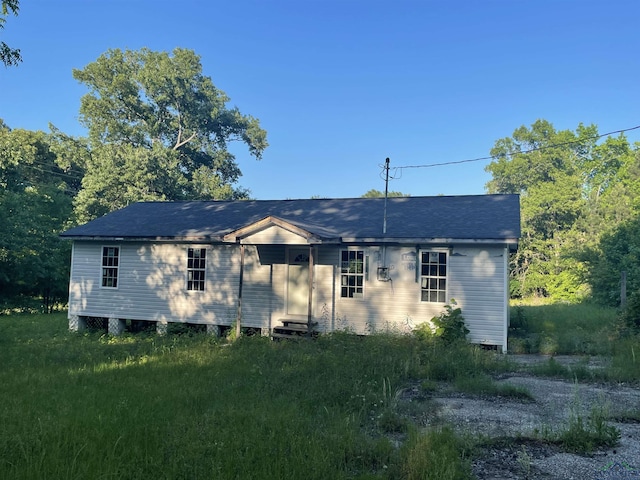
(250,229)
(439,241)
(100,238)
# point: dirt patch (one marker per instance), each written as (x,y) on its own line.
(514,428)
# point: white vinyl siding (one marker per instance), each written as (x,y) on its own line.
(475,279)
(480,290)
(151,286)
(274,235)
(262,285)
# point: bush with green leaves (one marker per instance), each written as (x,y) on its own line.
(448,325)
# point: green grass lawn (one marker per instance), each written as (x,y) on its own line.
(92,406)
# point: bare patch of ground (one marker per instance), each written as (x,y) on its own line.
(515,429)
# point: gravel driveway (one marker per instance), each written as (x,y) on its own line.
(516,424)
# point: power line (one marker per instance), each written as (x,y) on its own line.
(48,170)
(536,149)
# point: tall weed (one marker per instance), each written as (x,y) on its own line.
(625,360)
(585,433)
(435,455)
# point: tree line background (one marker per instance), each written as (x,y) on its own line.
(158,129)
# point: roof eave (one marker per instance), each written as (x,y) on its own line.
(116,238)
(512,243)
(430,240)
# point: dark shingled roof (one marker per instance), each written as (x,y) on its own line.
(481,217)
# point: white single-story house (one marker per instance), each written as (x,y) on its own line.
(281,266)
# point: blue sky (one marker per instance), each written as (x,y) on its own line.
(340,85)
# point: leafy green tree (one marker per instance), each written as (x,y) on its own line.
(619,251)
(72,156)
(158,130)
(35,205)
(570,189)
(8,56)
(618,248)
(373,193)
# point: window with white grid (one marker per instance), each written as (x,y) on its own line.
(196,267)
(433,276)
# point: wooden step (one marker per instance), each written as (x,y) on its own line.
(304,323)
(294,329)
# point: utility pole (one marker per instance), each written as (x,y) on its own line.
(386,194)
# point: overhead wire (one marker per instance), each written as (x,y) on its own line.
(535,149)
(49,170)
(397,170)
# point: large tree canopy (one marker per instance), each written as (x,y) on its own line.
(8,56)
(573,189)
(158,130)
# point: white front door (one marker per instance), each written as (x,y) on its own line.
(298,282)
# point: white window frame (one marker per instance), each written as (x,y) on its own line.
(342,274)
(104,268)
(441,294)
(201,269)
